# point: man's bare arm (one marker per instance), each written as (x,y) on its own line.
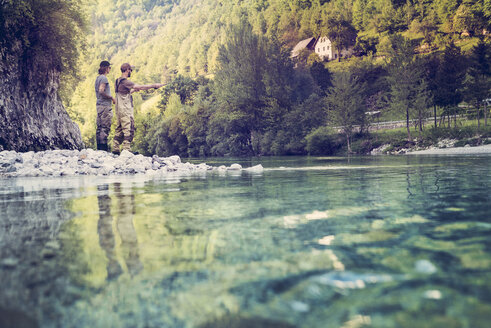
(102,92)
(137,87)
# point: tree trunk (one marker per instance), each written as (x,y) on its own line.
(348,142)
(434,114)
(409,138)
(420,122)
(478,117)
(485,113)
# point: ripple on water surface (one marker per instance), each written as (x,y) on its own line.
(306,242)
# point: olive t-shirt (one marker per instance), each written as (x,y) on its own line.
(101,100)
(123,85)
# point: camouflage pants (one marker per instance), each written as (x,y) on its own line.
(104,117)
(125,128)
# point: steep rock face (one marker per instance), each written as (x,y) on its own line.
(32,117)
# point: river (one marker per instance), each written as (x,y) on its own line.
(400,241)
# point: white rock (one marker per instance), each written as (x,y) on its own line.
(235,167)
(175,159)
(67,171)
(126,154)
(256,168)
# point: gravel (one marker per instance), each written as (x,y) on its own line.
(91,162)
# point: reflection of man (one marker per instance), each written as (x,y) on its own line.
(126,230)
(125,129)
(105,230)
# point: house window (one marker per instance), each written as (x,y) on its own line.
(324,48)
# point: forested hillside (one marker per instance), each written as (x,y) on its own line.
(233,88)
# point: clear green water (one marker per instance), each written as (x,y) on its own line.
(309,242)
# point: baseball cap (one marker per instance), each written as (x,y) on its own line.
(105,63)
(127,66)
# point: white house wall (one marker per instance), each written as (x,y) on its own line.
(324,48)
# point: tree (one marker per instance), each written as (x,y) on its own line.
(322,76)
(49,33)
(431,66)
(477,84)
(253,89)
(341,33)
(239,89)
(345,104)
(469,17)
(405,79)
(450,77)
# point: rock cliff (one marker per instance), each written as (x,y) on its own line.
(32,116)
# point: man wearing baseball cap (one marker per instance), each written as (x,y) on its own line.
(103,106)
(125,129)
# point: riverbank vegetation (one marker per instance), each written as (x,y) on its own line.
(232,88)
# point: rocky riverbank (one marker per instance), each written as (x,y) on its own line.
(91,162)
(484,149)
(444,146)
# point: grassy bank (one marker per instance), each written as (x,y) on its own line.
(326,142)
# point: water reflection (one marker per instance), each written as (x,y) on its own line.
(124,213)
(399,243)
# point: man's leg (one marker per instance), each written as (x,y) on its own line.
(118,137)
(104,117)
(128,128)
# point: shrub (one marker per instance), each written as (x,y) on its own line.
(322,141)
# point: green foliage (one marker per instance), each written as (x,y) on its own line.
(323,141)
(341,33)
(477,84)
(406,79)
(255,102)
(44,34)
(345,104)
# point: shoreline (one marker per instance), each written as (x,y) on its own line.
(100,163)
(484,149)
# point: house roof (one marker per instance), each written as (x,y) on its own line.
(302,45)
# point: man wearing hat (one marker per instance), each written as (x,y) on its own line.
(103,105)
(125,129)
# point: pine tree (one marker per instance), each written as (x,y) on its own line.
(478,78)
(450,77)
(346,104)
(405,79)
(341,33)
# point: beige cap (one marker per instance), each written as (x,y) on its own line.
(126,66)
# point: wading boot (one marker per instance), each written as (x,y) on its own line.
(102,147)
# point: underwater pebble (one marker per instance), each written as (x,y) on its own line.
(327,240)
(52,244)
(425,266)
(299,306)
(9,262)
(432,294)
